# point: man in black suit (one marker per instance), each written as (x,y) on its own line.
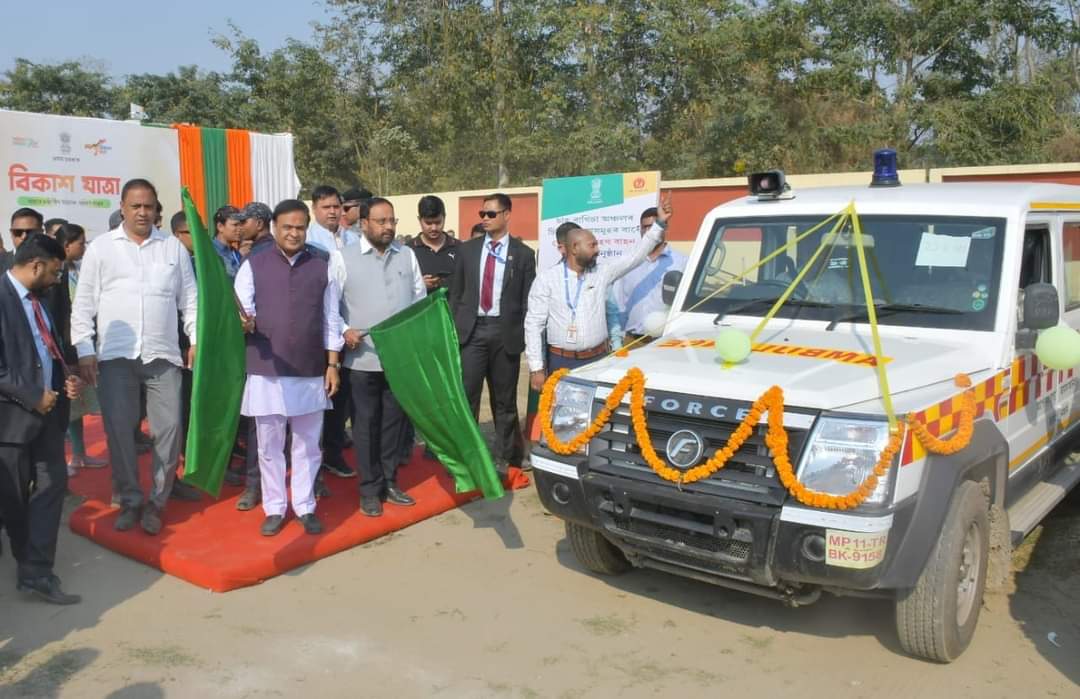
(34,397)
(488,294)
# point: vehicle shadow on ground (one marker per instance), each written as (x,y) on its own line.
(829,617)
(34,659)
(1046,599)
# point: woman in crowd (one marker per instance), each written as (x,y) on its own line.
(73,238)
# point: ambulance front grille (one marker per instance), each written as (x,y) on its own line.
(749,475)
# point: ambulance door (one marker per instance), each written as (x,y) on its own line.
(1029,424)
(1066,406)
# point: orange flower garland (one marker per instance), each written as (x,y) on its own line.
(776,439)
(963,432)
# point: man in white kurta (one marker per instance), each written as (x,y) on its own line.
(293,326)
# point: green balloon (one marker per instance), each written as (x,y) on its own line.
(733,345)
(1058,347)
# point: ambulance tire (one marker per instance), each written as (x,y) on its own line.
(594,551)
(927,615)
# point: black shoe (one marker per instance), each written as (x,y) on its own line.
(47,588)
(341,469)
(151,519)
(272,525)
(311,523)
(233,477)
(251,497)
(371,506)
(126,520)
(398,496)
(183,491)
(321,491)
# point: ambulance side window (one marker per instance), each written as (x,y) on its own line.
(1070,245)
(1035,261)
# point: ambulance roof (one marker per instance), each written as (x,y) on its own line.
(991,199)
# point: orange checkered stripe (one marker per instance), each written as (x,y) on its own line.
(1024,381)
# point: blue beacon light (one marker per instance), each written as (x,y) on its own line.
(885,173)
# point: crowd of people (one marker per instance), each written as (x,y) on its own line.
(109,328)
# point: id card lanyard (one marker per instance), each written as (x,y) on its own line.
(571,330)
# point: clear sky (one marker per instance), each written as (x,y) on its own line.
(150,36)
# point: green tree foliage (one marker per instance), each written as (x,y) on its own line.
(422,95)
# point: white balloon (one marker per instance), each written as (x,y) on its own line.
(654,323)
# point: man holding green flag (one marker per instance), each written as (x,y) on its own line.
(401,352)
(218,374)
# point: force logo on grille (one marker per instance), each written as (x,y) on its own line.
(685,448)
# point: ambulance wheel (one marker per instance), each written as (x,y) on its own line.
(936,619)
(594,551)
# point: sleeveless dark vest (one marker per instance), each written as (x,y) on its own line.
(288,338)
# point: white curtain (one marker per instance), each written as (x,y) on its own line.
(273,175)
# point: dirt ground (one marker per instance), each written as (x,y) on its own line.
(488,601)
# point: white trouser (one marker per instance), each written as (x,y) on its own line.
(306,458)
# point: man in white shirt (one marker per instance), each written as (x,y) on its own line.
(133,282)
(568,301)
(639,292)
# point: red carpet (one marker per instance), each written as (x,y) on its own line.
(213,545)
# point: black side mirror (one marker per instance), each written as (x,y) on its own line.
(1042,308)
(669,286)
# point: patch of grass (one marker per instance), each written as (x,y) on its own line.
(610,625)
(530,693)
(499,687)
(757,643)
(163,656)
(549,660)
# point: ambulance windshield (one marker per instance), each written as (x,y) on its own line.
(937,272)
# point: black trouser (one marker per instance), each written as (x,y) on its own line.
(484,357)
(333,436)
(251,457)
(377,430)
(186,382)
(32,515)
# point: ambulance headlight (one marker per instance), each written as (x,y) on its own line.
(571,413)
(842,453)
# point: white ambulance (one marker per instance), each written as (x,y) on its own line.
(963,277)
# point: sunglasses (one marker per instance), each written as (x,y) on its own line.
(490,214)
(349,207)
(20,232)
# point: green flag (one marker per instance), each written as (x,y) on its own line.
(218,375)
(418,348)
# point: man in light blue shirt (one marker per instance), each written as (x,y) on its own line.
(326,230)
(639,292)
(227,236)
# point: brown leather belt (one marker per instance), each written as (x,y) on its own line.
(583,354)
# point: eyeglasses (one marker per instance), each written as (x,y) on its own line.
(349,207)
(490,214)
(20,232)
(384,221)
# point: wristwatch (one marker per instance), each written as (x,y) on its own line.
(334,365)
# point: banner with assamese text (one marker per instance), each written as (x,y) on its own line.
(74,167)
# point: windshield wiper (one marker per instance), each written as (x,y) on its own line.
(884,309)
(801,303)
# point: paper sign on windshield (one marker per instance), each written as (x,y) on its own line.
(942,251)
